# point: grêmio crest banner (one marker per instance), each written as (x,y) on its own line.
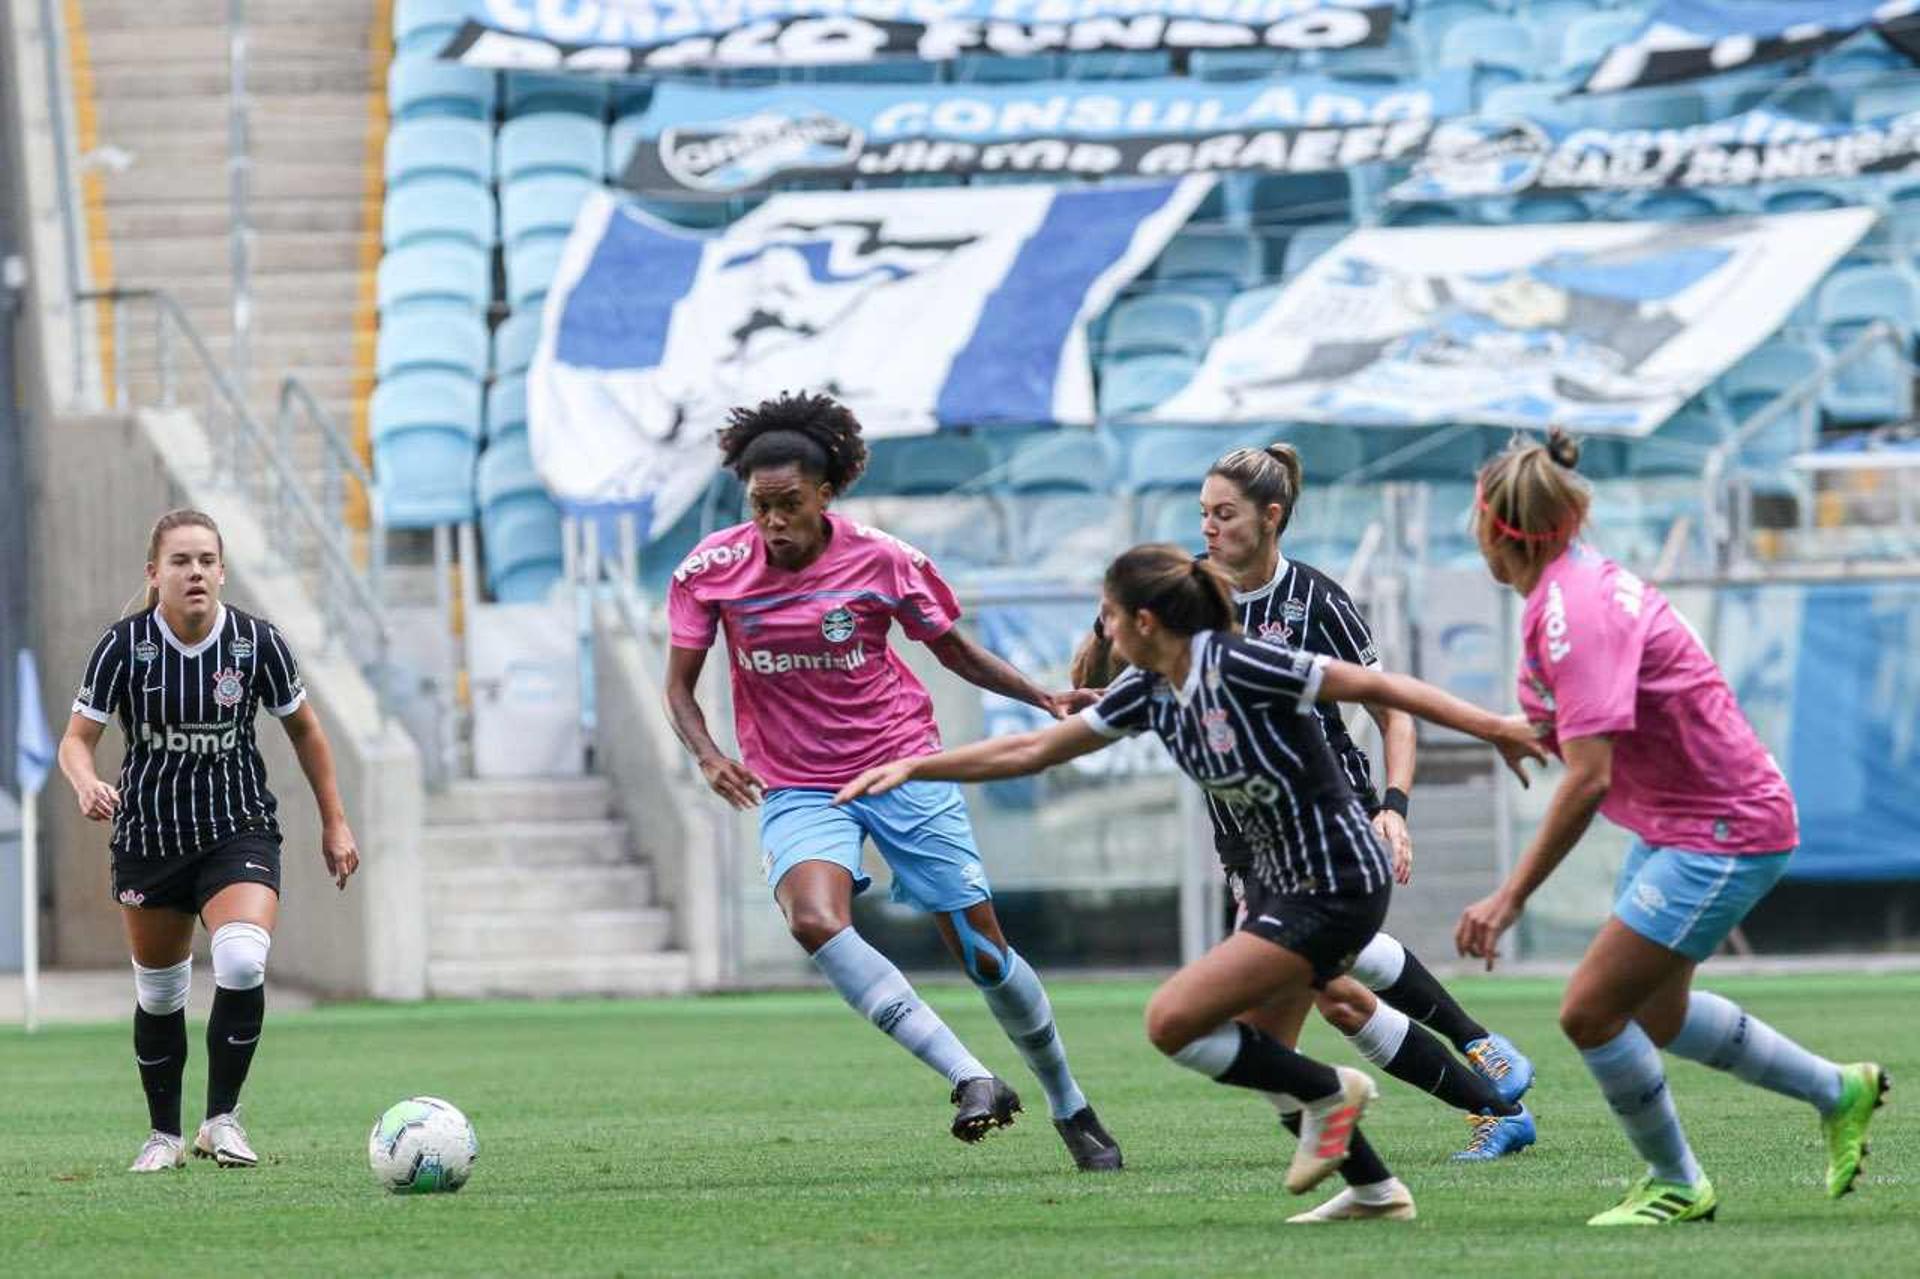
(625,37)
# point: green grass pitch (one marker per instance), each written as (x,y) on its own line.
(778,1135)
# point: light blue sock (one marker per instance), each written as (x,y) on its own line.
(1718,1033)
(1627,1068)
(880,992)
(1019,1003)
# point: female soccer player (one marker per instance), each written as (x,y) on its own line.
(1233,713)
(194,831)
(1246,503)
(1620,687)
(806,599)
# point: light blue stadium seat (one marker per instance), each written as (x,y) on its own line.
(534,92)
(1538,209)
(981,69)
(1060,461)
(420,85)
(438,209)
(1666,107)
(525,555)
(1854,61)
(425,430)
(1159,324)
(530,268)
(1550,20)
(1067,534)
(1229,258)
(1878,386)
(1489,43)
(542,206)
(928,465)
(1526,102)
(1669,206)
(1119,64)
(1803,197)
(420,150)
(453,339)
(631,97)
(507,407)
(1893,95)
(1173,517)
(1307,244)
(1454,460)
(437,271)
(1131,387)
(1326,452)
(552,142)
(694,215)
(506,478)
(514,342)
(1174,457)
(422,27)
(891,71)
(960,533)
(1300,199)
(1766,373)
(1680,445)
(1247,306)
(1587,40)
(1428,213)
(1814,102)
(1234,64)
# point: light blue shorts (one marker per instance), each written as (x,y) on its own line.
(1689,902)
(921,828)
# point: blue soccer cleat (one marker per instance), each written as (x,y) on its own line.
(1497,1061)
(1497,1135)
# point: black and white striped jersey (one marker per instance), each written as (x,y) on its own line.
(193,772)
(1242,727)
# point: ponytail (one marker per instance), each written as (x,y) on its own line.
(1188,595)
(1531,497)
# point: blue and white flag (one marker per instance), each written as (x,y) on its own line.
(1596,327)
(917,308)
(33,744)
(1687,39)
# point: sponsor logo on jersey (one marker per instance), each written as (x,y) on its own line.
(1219,733)
(763,661)
(837,626)
(241,648)
(1558,645)
(191,739)
(713,557)
(145,651)
(132,897)
(84,694)
(229,686)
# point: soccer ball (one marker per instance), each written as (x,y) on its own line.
(422,1146)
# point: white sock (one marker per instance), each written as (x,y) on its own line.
(1379,1192)
(1627,1068)
(1380,1039)
(1379,963)
(1720,1034)
(881,993)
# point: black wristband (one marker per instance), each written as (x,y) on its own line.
(1395,800)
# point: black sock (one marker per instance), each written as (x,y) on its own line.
(160,1050)
(1424,1062)
(1267,1065)
(233,1030)
(1419,994)
(1364,1166)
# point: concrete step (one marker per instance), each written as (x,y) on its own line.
(331,142)
(331,71)
(272,353)
(292,179)
(556,891)
(549,977)
(269,254)
(482,933)
(313,288)
(530,800)
(531,846)
(268,44)
(267,107)
(212,216)
(109,15)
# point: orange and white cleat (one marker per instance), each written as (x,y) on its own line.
(1326,1130)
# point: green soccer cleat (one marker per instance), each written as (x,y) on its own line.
(1661,1203)
(1863,1090)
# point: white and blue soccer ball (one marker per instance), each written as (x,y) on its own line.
(422,1146)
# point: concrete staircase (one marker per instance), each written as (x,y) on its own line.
(533,890)
(1455,857)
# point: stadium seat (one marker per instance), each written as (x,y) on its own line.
(453,339)
(542,206)
(530,268)
(1550,20)
(514,341)
(533,92)
(1877,386)
(422,27)
(1234,64)
(1856,60)
(1326,452)
(1679,446)
(1804,197)
(1228,260)
(1131,387)
(631,97)
(525,554)
(1454,459)
(1173,517)
(1012,70)
(1309,243)
(1300,199)
(1119,64)
(506,478)
(1059,461)
(419,86)
(1766,373)
(552,142)
(1248,306)
(1587,40)
(960,533)
(694,215)
(1668,206)
(1498,49)
(434,272)
(438,209)
(425,427)
(1070,535)
(1532,102)
(1864,294)
(1540,208)
(890,71)
(931,465)
(1666,107)
(1427,213)
(1158,324)
(1174,457)
(1891,96)
(418,150)
(507,407)
(1815,102)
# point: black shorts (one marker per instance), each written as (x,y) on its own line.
(188,883)
(1329,932)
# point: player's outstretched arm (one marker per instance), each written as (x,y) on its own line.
(1511,735)
(974,664)
(1014,755)
(337,845)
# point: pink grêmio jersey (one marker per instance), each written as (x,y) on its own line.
(818,696)
(1606,655)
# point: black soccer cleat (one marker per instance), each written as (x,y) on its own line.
(1092,1147)
(982,1104)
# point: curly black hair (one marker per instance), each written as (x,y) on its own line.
(815,432)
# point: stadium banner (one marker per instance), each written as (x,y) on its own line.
(712,140)
(917,308)
(627,37)
(1482,156)
(1687,39)
(1596,327)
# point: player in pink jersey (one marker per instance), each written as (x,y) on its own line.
(806,599)
(1619,686)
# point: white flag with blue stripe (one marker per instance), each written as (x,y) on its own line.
(918,308)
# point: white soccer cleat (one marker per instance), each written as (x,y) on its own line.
(163,1151)
(1397,1206)
(224,1141)
(1326,1130)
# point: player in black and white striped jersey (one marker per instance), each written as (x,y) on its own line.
(194,826)
(1234,714)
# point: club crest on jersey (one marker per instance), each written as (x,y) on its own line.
(837,625)
(1219,733)
(241,648)
(1276,632)
(229,686)
(1294,612)
(145,651)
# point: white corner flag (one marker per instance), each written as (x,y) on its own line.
(33,760)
